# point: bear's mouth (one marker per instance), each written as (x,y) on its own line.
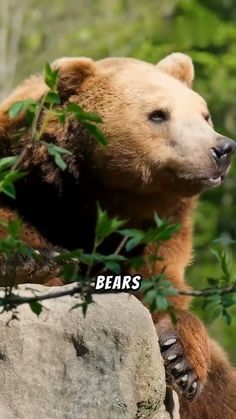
(199,183)
(203,180)
(209,182)
(212,181)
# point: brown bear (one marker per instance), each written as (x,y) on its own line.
(162,152)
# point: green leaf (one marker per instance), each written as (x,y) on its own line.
(16,109)
(6,184)
(132,232)
(29,117)
(226,317)
(105,226)
(137,262)
(8,188)
(158,220)
(170,292)
(60,115)
(93,117)
(75,109)
(90,258)
(137,237)
(69,272)
(150,296)
(228,300)
(114,257)
(224,241)
(161,303)
(214,313)
(224,260)
(113,267)
(14,176)
(14,227)
(225,266)
(212,300)
(81,114)
(52,98)
(60,150)
(22,106)
(146,285)
(216,253)
(60,162)
(74,254)
(7,162)
(51,76)
(132,243)
(56,152)
(97,133)
(162,232)
(54,149)
(36,307)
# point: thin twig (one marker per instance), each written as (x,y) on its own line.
(33,136)
(16,300)
(13,300)
(120,246)
(36,118)
(209,291)
(21,157)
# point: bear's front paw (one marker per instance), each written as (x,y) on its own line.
(186,353)
(180,374)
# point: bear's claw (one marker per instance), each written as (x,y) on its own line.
(180,375)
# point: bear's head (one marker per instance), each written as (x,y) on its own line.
(160,134)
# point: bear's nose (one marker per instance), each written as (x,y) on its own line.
(223,150)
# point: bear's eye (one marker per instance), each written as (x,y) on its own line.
(207,117)
(158,116)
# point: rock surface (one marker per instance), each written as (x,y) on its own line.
(61,365)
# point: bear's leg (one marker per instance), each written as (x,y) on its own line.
(218,399)
(186,352)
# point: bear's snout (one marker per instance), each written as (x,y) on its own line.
(222,152)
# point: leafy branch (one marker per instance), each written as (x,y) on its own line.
(37,115)
(157,289)
(11,300)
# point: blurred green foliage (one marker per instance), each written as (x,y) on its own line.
(148,30)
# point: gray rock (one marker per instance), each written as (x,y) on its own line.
(62,365)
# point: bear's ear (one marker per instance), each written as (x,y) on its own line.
(72,73)
(178,65)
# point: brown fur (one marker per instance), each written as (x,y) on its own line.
(146,168)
